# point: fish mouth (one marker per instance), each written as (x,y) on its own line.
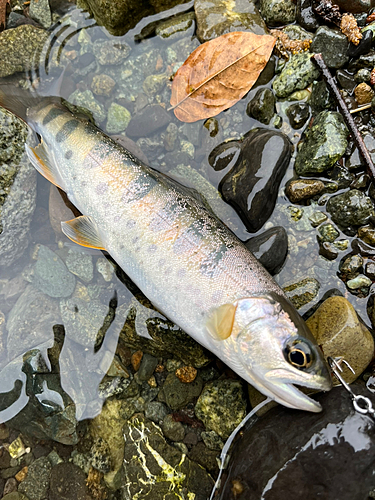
(285,392)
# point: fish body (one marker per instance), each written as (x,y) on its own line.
(185,260)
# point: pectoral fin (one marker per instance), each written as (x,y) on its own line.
(221,322)
(41,159)
(83,230)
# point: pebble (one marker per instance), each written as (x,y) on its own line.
(351,265)
(177,394)
(147,121)
(186,374)
(86,99)
(303,189)
(262,106)
(221,406)
(173,430)
(324,143)
(327,250)
(68,481)
(363,47)
(355,6)
(278,12)
(362,75)
(179,25)
(363,93)
(352,208)
(118,118)
(362,248)
(105,268)
(302,292)
(317,218)
(321,98)
(147,367)
(367,234)
(225,156)
(305,16)
(297,74)
(80,264)
(270,248)
(156,411)
(212,440)
(102,85)
(40,11)
(359,282)
(332,44)
(154,84)
(36,484)
(136,360)
(327,232)
(110,52)
(298,114)
(251,187)
(337,328)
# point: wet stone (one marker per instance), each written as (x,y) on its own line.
(324,143)
(36,484)
(364,45)
(278,12)
(327,250)
(270,248)
(181,25)
(362,75)
(345,79)
(337,328)
(212,440)
(317,218)
(251,187)
(154,84)
(370,270)
(305,15)
(355,6)
(225,155)
(327,232)
(68,481)
(300,457)
(262,106)
(40,11)
(173,430)
(303,189)
(87,100)
(359,282)
(147,367)
(118,118)
(302,292)
(220,17)
(110,52)
(156,411)
(321,98)
(332,44)
(178,394)
(362,248)
(102,85)
(297,74)
(367,234)
(80,264)
(221,406)
(363,93)
(352,208)
(147,121)
(351,265)
(298,114)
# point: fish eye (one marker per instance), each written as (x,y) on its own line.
(299,354)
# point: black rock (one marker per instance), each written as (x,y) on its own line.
(148,121)
(251,187)
(262,105)
(298,114)
(363,248)
(270,248)
(345,79)
(363,47)
(226,154)
(294,454)
(306,16)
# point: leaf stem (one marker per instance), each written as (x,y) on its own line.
(319,61)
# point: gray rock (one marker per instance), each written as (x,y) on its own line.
(297,74)
(278,12)
(156,411)
(80,263)
(178,394)
(36,484)
(333,45)
(305,15)
(321,98)
(221,406)
(262,106)
(147,367)
(148,121)
(220,17)
(87,100)
(68,481)
(324,143)
(50,274)
(352,208)
(40,11)
(20,49)
(110,52)
(173,430)
(118,118)
(143,442)
(30,321)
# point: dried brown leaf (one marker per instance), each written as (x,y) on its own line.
(218,74)
(350,28)
(3,13)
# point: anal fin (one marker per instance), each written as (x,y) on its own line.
(83,231)
(45,165)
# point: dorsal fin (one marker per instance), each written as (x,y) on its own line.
(221,321)
(83,231)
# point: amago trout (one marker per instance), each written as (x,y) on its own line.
(181,256)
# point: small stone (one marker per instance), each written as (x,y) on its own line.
(110,52)
(154,84)
(352,208)
(324,143)
(156,411)
(136,360)
(363,75)
(345,80)
(363,93)
(147,367)
(327,250)
(341,245)
(178,25)
(370,270)
(367,234)
(351,265)
(302,292)
(87,100)
(17,448)
(102,85)
(147,121)
(171,137)
(186,374)
(68,481)
(305,15)
(262,106)
(317,218)
(10,487)
(177,394)
(212,440)
(328,232)
(362,248)
(221,406)
(297,74)
(36,484)
(105,268)
(118,118)
(40,11)
(270,248)
(4,431)
(360,281)
(21,475)
(298,114)
(337,328)
(80,264)
(321,98)
(332,44)
(303,189)
(173,430)
(278,12)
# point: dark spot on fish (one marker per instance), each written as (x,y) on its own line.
(69,154)
(75,309)
(52,114)
(96,155)
(152,248)
(67,129)
(181,273)
(190,238)
(134,240)
(101,188)
(209,266)
(139,188)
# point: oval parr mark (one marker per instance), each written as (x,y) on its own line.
(68,155)
(53,113)
(66,130)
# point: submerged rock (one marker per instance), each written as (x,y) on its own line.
(352,208)
(294,454)
(324,143)
(251,187)
(336,327)
(303,189)
(220,17)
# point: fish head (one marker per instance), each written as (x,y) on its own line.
(277,350)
